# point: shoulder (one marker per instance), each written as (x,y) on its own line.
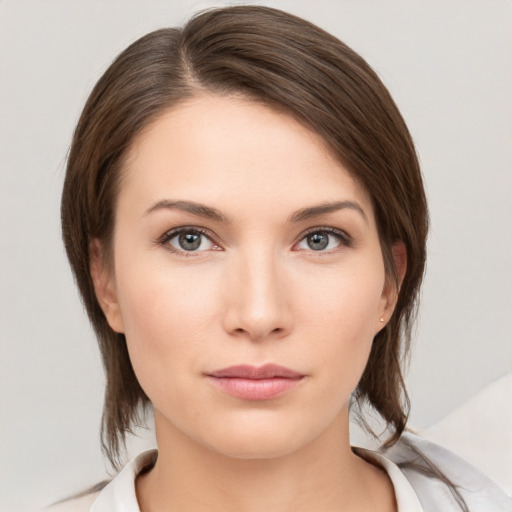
(116,495)
(79,504)
(438,476)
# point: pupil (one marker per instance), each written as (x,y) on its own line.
(318,241)
(190,241)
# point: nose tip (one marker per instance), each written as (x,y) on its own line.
(257,303)
(258,333)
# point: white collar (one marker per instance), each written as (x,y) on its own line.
(406,498)
(119,495)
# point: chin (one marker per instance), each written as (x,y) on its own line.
(254,447)
(259,439)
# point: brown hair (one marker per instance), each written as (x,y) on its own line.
(288,64)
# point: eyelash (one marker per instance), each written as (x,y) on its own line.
(169,235)
(342,237)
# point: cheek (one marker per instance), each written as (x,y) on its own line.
(167,319)
(342,321)
(346,301)
(173,323)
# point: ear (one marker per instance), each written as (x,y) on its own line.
(390,291)
(104,286)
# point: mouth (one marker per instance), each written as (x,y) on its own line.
(255,383)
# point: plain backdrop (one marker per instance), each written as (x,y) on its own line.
(448,65)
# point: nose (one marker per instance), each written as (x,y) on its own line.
(258,304)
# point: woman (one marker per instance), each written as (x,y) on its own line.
(245,217)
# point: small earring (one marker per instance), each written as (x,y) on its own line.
(382,319)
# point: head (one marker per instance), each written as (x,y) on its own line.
(293,71)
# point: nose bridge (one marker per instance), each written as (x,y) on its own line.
(258,305)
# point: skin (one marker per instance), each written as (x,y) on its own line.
(255,292)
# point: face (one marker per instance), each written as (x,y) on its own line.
(240,240)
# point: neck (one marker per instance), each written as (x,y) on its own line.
(324,475)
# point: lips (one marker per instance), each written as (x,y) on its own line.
(267,371)
(255,383)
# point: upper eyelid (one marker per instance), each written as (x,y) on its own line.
(325,229)
(174,231)
(342,234)
(171,233)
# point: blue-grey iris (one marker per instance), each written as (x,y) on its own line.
(317,241)
(189,241)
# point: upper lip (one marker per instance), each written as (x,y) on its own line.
(267,371)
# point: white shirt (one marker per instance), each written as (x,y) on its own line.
(405,463)
(484,420)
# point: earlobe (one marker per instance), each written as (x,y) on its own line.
(104,286)
(392,287)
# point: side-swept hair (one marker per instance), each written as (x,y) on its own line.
(291,65)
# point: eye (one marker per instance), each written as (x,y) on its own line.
(188,240)
(324,240)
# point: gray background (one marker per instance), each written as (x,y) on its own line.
(448,66)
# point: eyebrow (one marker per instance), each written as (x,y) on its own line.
(322,209)
(201,210)
(198,209)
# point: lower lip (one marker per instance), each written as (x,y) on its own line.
(254,389)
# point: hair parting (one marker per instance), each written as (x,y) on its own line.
(290,65)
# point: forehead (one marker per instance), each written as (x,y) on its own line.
(235,153)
